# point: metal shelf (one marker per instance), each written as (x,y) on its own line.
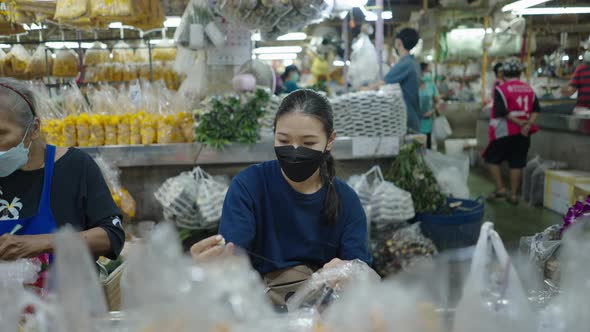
(345,148)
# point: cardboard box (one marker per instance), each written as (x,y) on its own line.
(581,192)
(559,189)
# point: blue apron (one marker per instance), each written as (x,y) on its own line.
(43,222)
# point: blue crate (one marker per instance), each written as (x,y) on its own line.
(459,230)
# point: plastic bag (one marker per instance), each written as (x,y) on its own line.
(363,67)
(538,181)
(96,55)
(142,53)
(493,296)
(527,175)
(389,204)
(402,250)
(120,195)
(123,53)
(451,173)
(164,51)
(76,283)
(65,64)
(70,9)
(17,61)
(193,200)
(325,286)
(390,306)
(112,9)
(41,62)
(542,249)
(441,128)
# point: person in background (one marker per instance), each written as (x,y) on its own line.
(512,123)
(290,78)
(580,82)
(407,73)
(429,100)
(499,73)
(43,187)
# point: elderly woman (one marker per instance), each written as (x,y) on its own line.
(43,187)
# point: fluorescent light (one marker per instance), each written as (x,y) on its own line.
(155,41)
(278,49)
(58,45)
(5,46)
(287,62)
(340,63)
(349,4)
(522,4)
(371,16)
(565,58)
(554,11)
(172,21)
(429,58)
(34,27)
(293,36)
(278,56)
(343,15)
(581,57)
(116,25)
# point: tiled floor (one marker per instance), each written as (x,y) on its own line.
(511,222)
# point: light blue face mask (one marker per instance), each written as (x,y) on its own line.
(15,158)
(295,77)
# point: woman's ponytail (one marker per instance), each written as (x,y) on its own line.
(332,201)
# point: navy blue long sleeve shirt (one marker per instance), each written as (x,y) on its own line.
(280,227)
(407,73)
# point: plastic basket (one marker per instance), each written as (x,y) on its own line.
(459,230)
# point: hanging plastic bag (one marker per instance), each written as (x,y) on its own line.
(193,200)
(164,51)
(493,296)
(66,63)
(70,9)
(41,62)
(542,249)
(142,53)
(96,55)
(123,53)
(363,67)
(17,61)
(451,173)
(389,204)
(441,128)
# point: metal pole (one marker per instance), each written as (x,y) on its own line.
(484,65)
(346,55)
(379,37)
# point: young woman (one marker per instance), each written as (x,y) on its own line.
(293,211)
(43,187)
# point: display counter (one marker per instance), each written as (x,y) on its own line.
(562,136)
(145,168)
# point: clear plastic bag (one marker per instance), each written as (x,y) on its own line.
(326,286)
(142,53)
(542,249)
(363,67)
(527,175)
(121,196)
(65,64)
(71,9)
(493,296)
(96,55)
(76,283)
(41,62)
(164,51)
(123,53)
(451,173)
(402,250)
(112,9)
(441,128)
(193,200)
(389,204)
(17,61)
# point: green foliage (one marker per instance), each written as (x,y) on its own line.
(232,119)
(410,172)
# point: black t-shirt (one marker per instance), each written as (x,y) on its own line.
(79,197)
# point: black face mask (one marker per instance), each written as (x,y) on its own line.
(299,164)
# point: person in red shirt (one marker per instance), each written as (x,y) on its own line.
(580,82)
(512,122)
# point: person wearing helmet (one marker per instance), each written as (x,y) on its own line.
(580,82)
(514,112)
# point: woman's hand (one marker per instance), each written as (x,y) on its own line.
(210,248)
(13,247)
